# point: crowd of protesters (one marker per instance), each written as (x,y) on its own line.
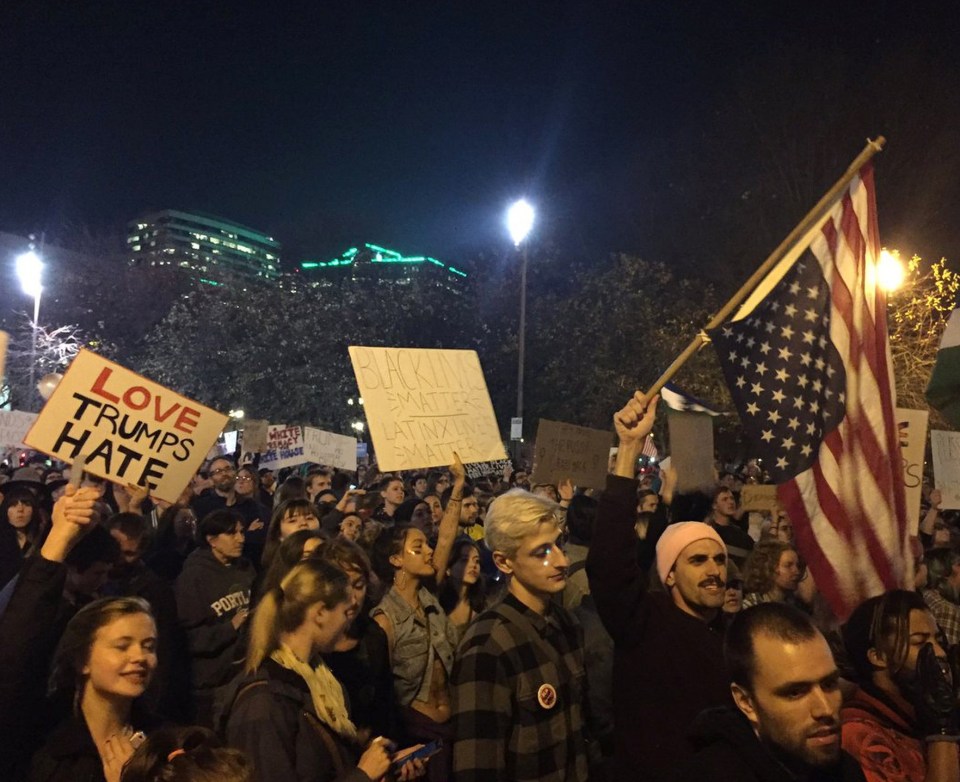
(319,625)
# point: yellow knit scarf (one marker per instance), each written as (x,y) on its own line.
(325,691)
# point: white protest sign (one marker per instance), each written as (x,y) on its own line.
(424,405)
(284,447)
(131,429)
(329,449)
(14,425)
(912,431)
(946,467)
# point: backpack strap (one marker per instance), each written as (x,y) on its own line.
(325,735)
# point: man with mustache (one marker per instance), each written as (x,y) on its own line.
(668,647)
(901,725)
(786,723)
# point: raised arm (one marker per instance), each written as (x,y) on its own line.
(450,521)
(617,582)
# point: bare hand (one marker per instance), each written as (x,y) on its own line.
(935,498)
(72,515)
(635,420)
(117,750)
(255,525)
(375,761)
(348,495)
(565,488)
(457,470)
(239,618)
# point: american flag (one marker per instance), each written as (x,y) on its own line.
(650,448)
(808,364)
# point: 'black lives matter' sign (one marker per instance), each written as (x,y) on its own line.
(424,405)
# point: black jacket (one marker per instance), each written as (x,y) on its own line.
(270,720)
(209,594)
(728,750)
(668,665)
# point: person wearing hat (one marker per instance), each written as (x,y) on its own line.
(668,647)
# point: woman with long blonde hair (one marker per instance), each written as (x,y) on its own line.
(289,714)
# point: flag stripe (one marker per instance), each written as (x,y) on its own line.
(818,340)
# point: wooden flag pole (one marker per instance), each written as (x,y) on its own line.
(813,217)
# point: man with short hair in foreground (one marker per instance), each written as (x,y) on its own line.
(786,723)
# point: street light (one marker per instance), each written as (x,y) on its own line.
(519,223)
(30,272)
(890,271)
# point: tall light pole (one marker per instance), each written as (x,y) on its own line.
(30,272)
(519,222)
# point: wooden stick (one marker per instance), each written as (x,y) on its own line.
(813,217)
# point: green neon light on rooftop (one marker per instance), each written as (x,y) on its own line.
(386,256)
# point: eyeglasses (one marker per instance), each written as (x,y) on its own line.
(220,470)
(244,479)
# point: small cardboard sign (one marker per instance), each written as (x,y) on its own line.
(568,451)
(254,435)
(14,425)
(4,340)
(329,449)
(424,405)
(284,447)
(758,497)
(131,429)
(691,447)
(945,447)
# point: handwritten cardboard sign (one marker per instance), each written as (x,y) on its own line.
(329,449)
(284,447)
(422,405)
(574,452)
(254,435)
(912,431)
(945,447)
(131,429)
(758,497)
(14,425)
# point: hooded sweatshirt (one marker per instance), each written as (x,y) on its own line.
(209,594)
(728,750)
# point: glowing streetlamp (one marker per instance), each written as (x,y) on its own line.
(30,272)
(519,223)
(890,272)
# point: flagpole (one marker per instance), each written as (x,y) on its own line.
(813,216)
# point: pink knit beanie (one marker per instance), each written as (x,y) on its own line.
(676,538)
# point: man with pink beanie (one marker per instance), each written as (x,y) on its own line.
(668,659)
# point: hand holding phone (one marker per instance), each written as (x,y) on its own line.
(421,752)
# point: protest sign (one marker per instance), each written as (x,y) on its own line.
(567,451)
(14,425)
(254,435)
(479,470)
(758,497)
(329,449)
(4,339)
(424,405)
(946,467)
(284,447)
(912,430)
(131,429)
(691,446)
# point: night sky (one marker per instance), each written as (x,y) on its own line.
(412,124)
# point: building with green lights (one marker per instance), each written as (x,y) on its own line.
(208,248)
(371,264)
